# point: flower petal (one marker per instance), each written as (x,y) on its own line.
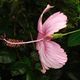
(51,55)
(40,19)
(54,23)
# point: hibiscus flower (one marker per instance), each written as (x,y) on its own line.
(51,54)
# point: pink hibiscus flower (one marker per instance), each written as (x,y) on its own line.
(51,54)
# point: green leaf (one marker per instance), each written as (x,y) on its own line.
(20,67)
(17,69)
(78,8)
(38,66)
(28,77)
(74,39)
(6,57)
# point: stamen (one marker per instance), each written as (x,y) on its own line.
(20,43)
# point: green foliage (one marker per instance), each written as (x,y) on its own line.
(20,67)
(74,39)
(6,57)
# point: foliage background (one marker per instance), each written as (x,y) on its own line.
(18,20)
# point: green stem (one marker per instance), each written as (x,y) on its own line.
(71,32)
(60,35)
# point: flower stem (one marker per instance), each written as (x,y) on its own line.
(71,32)
(60,35)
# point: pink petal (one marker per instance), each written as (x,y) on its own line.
(54,23)
(40,19)
(40,35)
(51,55)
